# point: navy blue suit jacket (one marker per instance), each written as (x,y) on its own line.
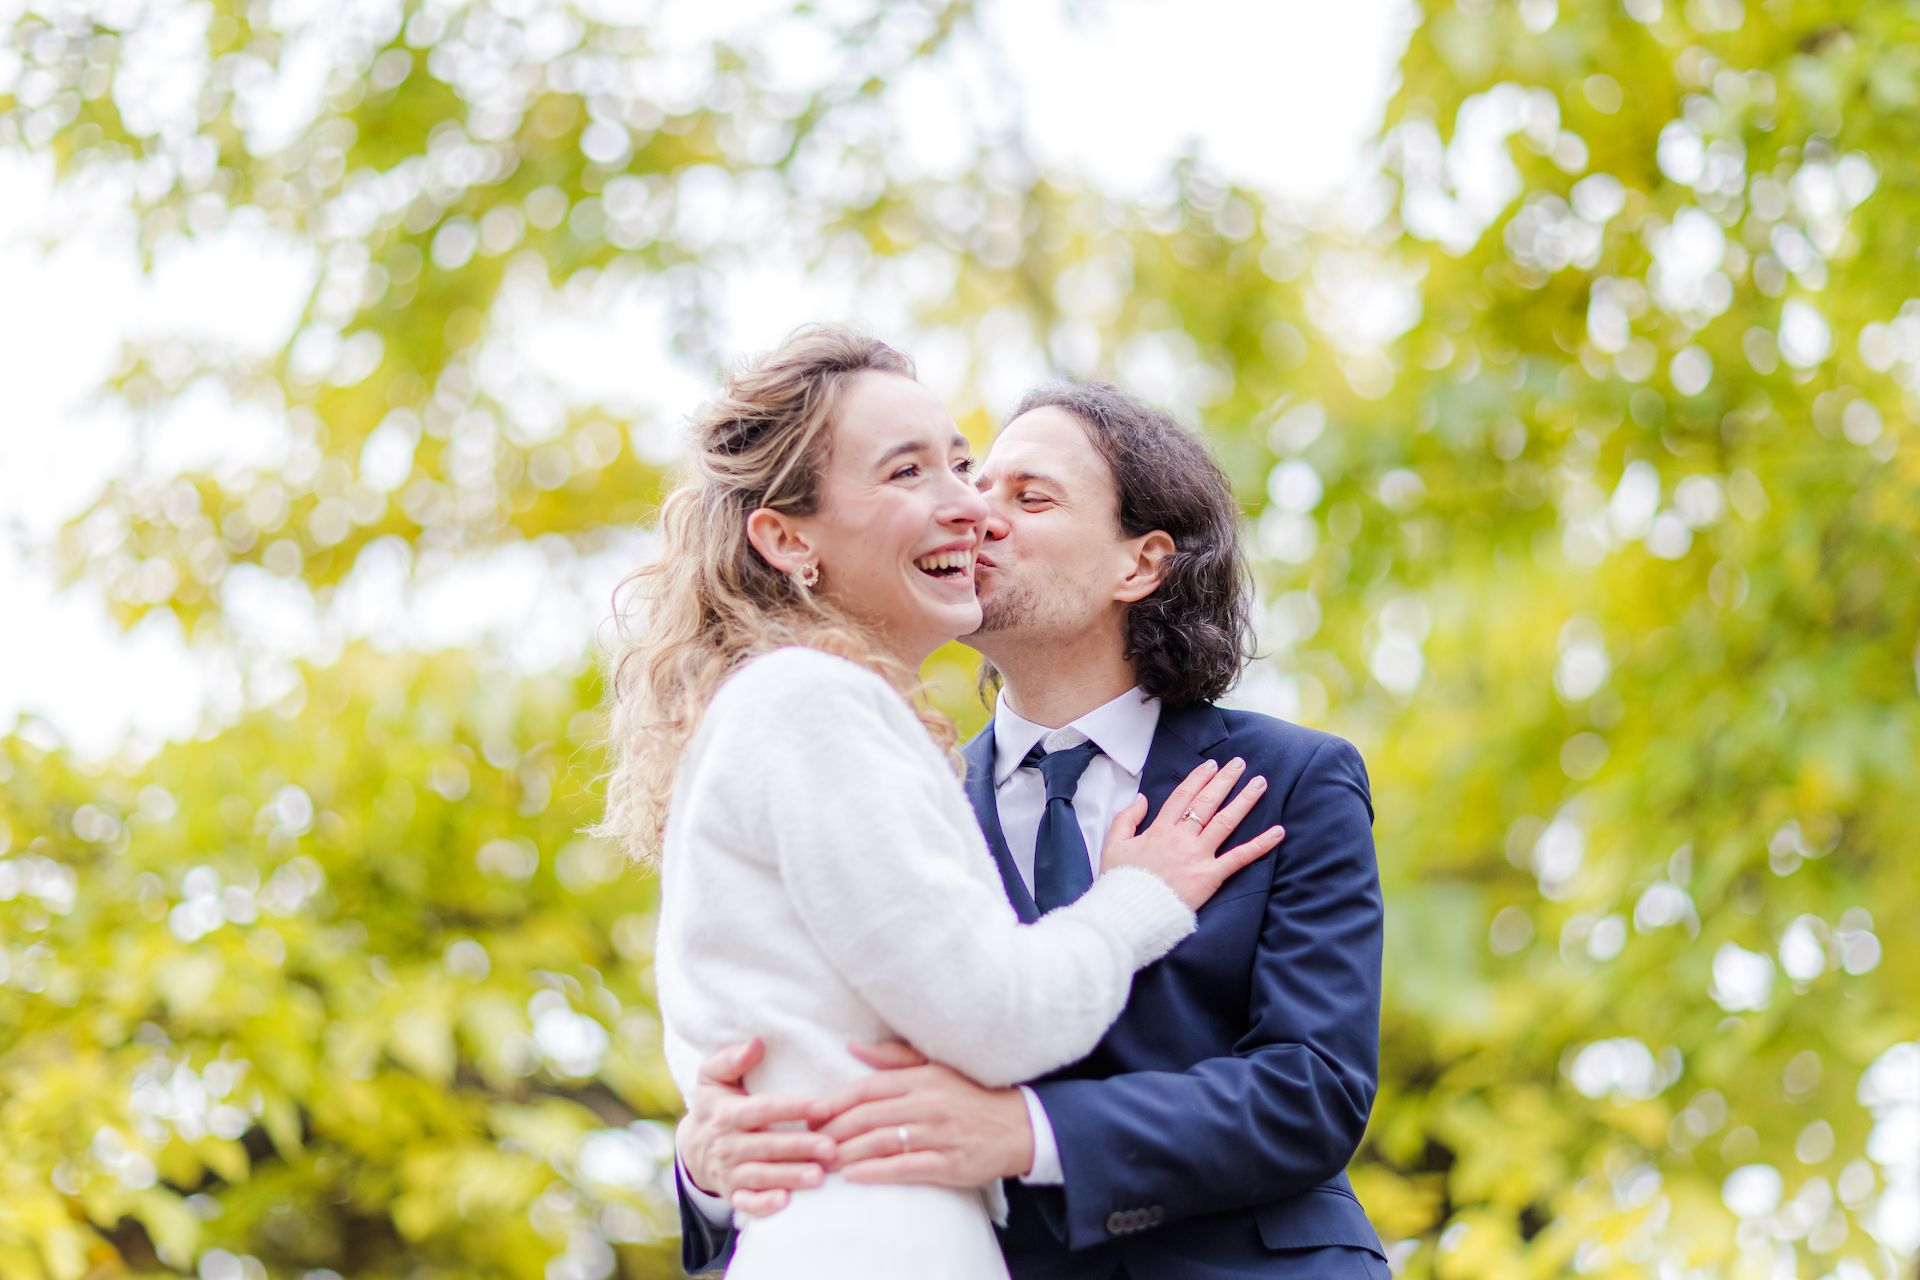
(1208,1133)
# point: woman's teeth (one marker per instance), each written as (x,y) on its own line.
(945,563)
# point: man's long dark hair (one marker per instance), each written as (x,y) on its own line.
(1190,640)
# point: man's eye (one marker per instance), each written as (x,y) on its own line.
(1033,497)
(907,472)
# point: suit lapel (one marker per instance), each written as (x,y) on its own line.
(986,810)
(1179,744)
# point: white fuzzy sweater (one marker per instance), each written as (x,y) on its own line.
(824,881)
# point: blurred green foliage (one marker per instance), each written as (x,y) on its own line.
(1587,507)
(336,988)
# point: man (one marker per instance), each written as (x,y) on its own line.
(1208,1134)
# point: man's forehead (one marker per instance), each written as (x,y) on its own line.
(1046,441)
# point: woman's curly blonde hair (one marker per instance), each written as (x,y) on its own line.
(707,602)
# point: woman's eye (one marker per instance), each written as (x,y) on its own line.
(963,468)
(907,472)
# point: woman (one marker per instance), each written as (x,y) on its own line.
(823,880)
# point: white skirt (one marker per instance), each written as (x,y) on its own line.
(842,1230)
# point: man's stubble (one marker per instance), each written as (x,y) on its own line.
(1034,607)
(1012,606)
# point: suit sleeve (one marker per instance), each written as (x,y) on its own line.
(705,1245)
(706,1222)
(1284,1111)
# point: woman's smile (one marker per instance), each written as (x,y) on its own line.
(950,566)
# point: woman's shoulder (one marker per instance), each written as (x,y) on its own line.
(799,677)
(799,664)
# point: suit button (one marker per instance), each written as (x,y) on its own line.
(1156,1215)
(1116,1223)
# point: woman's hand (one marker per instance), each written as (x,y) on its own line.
(1180,847)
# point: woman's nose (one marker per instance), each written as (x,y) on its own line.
(964,504)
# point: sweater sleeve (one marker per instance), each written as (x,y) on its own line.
(822,751)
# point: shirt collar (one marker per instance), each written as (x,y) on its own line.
(1123,728)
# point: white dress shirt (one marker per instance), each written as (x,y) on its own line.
(1123,730)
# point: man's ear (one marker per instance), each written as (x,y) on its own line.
(1152,557)
(779,542)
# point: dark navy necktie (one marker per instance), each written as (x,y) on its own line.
(1062,871)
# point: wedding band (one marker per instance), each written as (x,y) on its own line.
(1193,817)
(905,1146)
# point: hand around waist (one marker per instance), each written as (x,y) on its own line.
(726,1144)
(918,1121)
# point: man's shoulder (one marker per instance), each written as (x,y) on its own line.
(1255,731)
(1279,734)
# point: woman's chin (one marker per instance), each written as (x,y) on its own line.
(953,621)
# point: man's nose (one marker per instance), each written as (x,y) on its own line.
(995,527)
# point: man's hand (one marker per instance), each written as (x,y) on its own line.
(723,1145)
(960,1134)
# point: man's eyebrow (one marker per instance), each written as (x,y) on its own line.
(1032,477)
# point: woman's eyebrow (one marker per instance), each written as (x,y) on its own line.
(900,450)
(918,446)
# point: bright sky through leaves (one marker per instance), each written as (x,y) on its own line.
(69,309)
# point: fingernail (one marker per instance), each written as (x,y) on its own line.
(1258,784)
(1236,763)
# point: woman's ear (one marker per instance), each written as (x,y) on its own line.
(781,544)
(1152,557)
